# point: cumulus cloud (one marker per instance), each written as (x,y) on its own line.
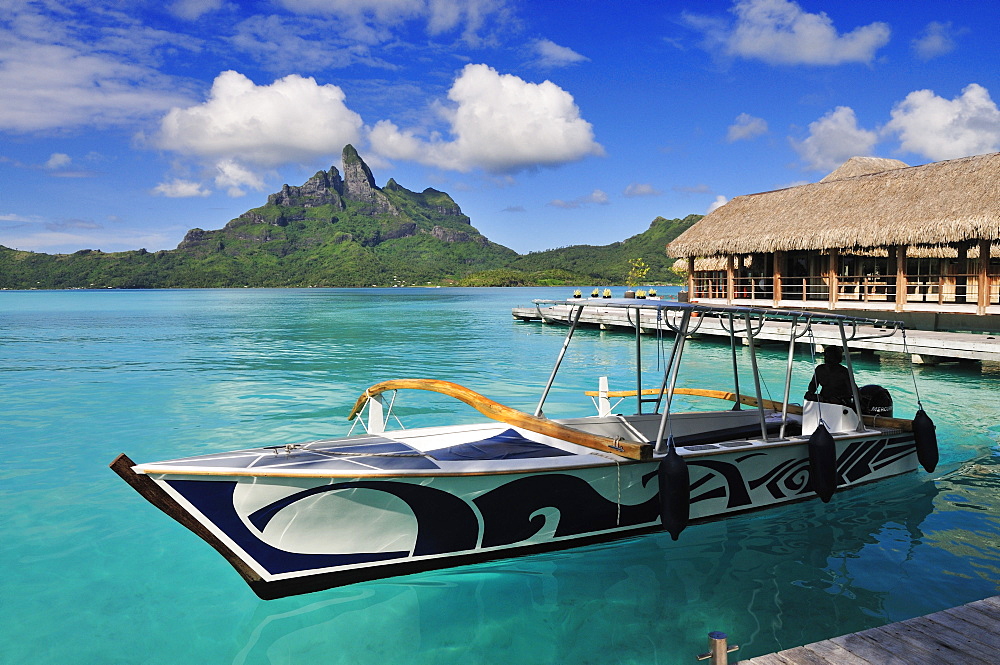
(180,189)
(833,139)
(939,128)
(293,119)
(719,201)
(780,32)
(552,55)
(935,40)
(499,123)
(641,189)
(597,196)
(745,128)
(58,160)
(243,128)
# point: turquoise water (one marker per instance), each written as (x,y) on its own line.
(93,574)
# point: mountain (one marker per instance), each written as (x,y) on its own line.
(338,230)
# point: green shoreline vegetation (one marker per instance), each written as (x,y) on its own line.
(346,232)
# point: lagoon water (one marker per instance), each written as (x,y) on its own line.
(91,573)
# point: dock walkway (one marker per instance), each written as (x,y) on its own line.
(924,347)
(966,635)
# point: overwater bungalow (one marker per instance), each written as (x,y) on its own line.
(919,242)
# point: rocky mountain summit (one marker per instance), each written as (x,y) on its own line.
(344,201)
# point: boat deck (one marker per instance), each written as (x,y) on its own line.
(966,635)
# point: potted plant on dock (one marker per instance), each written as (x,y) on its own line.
(607,293)
(578,293)
(596,293)
(640,294)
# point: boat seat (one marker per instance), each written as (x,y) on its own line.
(728,434)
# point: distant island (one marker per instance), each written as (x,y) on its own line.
(345,231)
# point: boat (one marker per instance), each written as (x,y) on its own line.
(387,501)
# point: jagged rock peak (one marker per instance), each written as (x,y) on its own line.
(324,188)
(359,185)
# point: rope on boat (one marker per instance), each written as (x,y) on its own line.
(913,374)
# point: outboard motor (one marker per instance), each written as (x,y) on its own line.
(875,401)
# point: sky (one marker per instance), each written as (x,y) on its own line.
(125,124)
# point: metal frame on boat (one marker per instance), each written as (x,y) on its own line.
(303,517)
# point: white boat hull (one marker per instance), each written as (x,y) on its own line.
(292,534)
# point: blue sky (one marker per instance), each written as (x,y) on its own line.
(124,124)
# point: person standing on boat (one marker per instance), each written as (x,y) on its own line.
(832,380)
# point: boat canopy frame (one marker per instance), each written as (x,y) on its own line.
(684,319)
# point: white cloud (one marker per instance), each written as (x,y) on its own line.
(47,86)
(194,9)
(61,73)
(780,32)
(244,128)
(293,119)
(180,189)
(833,139)
(370,20)
(58,160)
(936,39)
(234,177)
(500,123)
(551,54)
(745,128)
(641,189)
(598,197)
(719,201)
(939,128)
(701,188)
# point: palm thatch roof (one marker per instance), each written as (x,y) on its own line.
(934,204)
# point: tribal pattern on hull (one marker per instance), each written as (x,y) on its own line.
(529,509)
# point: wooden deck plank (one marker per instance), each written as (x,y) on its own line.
(836,654)
(962,623)
(966,635)
(886,649)
(946,645)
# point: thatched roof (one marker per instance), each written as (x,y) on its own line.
(934,204)
(856,166)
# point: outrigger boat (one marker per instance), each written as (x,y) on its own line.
(302,517)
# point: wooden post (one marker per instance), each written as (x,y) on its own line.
(901,278)
(779,260)
(730,281)
(691,279)
(832,273)
(984,277)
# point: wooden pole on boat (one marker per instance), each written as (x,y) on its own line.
(562,353)
(513,417)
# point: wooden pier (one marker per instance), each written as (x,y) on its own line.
(966,635)
(923,346)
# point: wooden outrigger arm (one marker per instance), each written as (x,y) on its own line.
(497,411)
(748,400)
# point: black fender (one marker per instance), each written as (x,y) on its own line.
(823,463)
(675,492)
(925,436)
